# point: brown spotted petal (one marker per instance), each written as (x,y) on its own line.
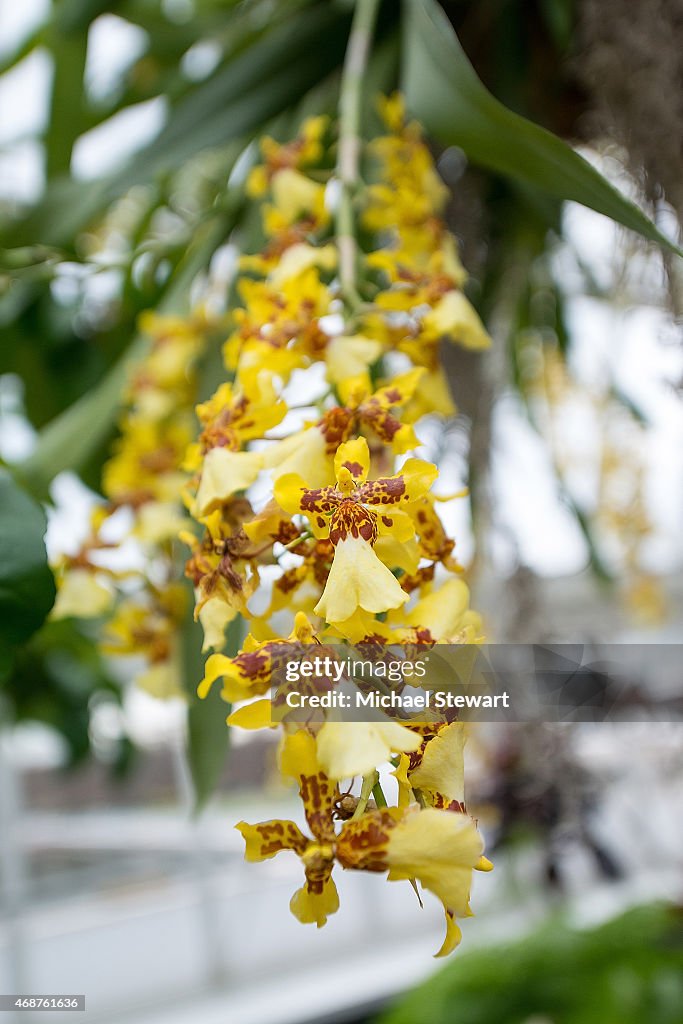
(351,464)
(363,844)
(376,411)
(270,837)
(299,760)
(292,495)
(319,796)
(318,898)
(335,427)
(248,674)
(414,480)
(435,543)
(351,519)
(387,426)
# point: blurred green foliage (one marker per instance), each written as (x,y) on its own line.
(55,679)
(628,971)
(27,589)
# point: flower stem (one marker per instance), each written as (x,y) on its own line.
(378,794)
(367,789)
(350,101)
(298,540)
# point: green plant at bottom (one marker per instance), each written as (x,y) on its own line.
(628,971)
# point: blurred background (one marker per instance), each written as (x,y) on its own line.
(125,131)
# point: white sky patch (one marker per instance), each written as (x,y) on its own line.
(18,20)
(22,175)
(222,270)
(23,97)
(526,501)
(68,519)
(306,386)
(113,46)
(332,195)
(148,720)
(17,436)
(647,368)
(109,145)
(201,59)
(591,324)
(332,324)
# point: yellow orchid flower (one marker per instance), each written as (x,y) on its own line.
(257,714)
(343,509)
(317,899)
(440,849)
(348,358)
(304,150)
(358,579)
(163,680)
(294,195)
(299,587)
(434,542)
(307,451)
(376,412)
(146,461)
(443,611)
(148,625)
(300,257)
(224,473)
(279,327)
(159,521)
(432,395)
(214,615)
(349,557)
(223,568)
(249,673)
(81,594)
(346,514)
(346,749)
(235,415)
(240,412)
(310,451)
(437,769)
(455,318)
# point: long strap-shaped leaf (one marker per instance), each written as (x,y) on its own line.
(27,588)
(67,441)
(261,82)
(444,92)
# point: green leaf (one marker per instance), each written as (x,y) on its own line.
(27,587)
(6,663)
(258,83)
(68,440)
(26,46)
(76,15)
(444,92)
(53,681)
(208,736)
(66,120)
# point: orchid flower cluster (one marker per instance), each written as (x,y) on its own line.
(127,571)
(348,545)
